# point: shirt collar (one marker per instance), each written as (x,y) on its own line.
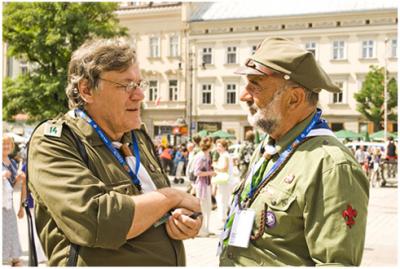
(90,134)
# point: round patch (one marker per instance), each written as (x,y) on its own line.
(270,219)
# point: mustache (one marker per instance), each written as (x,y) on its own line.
(252,107)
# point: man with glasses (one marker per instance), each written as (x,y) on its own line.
(101,196)
(304,201)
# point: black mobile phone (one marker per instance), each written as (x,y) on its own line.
(195,215)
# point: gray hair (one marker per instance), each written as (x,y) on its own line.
(91,59)
(311,96)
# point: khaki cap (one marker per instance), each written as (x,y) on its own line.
(277,54)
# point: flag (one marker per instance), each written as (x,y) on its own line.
(158,100)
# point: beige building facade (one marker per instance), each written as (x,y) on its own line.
(344,43)
(188,51)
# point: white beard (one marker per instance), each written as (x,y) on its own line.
(267,118)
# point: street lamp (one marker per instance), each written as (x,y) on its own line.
(385,93)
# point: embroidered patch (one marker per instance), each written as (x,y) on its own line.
(270,219)
(349,214)
(51,129)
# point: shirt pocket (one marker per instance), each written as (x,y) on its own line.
(276,213)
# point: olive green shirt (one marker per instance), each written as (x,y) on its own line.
(308,198)
(91,206)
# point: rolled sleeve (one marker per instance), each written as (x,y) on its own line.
(330,240)
(114,220)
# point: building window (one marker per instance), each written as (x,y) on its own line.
(337,97)
(367,49)
(206,94)
(153,90)
(154,47)
(253,49)
(173,90)
(231,94)
(311,46)
(338,50)
(10,63)
(337,126)
(393,48)
(231,55)
(23,65)
(173,46)
(207,55)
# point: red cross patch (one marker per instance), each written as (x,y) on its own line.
(349,214)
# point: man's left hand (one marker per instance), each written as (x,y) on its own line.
(180,226)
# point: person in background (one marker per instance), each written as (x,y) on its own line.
(179,163)
(12,176)
(203,171)
(223,169)
(245,152)
(391,149)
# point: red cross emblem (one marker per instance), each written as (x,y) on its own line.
(349,214)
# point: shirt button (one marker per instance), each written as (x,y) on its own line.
(230,255)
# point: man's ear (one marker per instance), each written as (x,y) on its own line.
(296,98)
(85,91)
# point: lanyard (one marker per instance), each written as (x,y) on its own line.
(285,154)
(114,151)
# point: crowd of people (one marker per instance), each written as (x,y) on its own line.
(373,159)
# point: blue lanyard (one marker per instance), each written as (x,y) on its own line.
(314,122)
(114,151)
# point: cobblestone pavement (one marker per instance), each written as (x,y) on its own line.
(381,240)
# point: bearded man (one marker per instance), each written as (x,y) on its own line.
(304,202)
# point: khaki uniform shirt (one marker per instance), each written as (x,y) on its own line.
(91,206)
(308,198)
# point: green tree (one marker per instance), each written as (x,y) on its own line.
(45,34)
(370,97)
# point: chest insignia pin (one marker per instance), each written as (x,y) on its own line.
(289,178)
(270,219)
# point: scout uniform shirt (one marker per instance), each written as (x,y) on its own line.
(312,212)
(91,206)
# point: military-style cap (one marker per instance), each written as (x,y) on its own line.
(277,54)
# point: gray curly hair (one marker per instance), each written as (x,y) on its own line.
(93,58)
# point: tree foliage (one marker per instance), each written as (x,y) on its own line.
(45,34)
(371,97)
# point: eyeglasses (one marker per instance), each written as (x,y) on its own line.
(131,86)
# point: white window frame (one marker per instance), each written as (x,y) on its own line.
(368,49)
(173,93)
(206,88)
(154,47)
(338,50)
(342,85)
(206,51)
(312,47)
(232,51)
(153,90)
(23,67)
(231,88)
(393,48)
(174,46)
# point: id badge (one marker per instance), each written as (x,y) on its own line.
(241,228)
